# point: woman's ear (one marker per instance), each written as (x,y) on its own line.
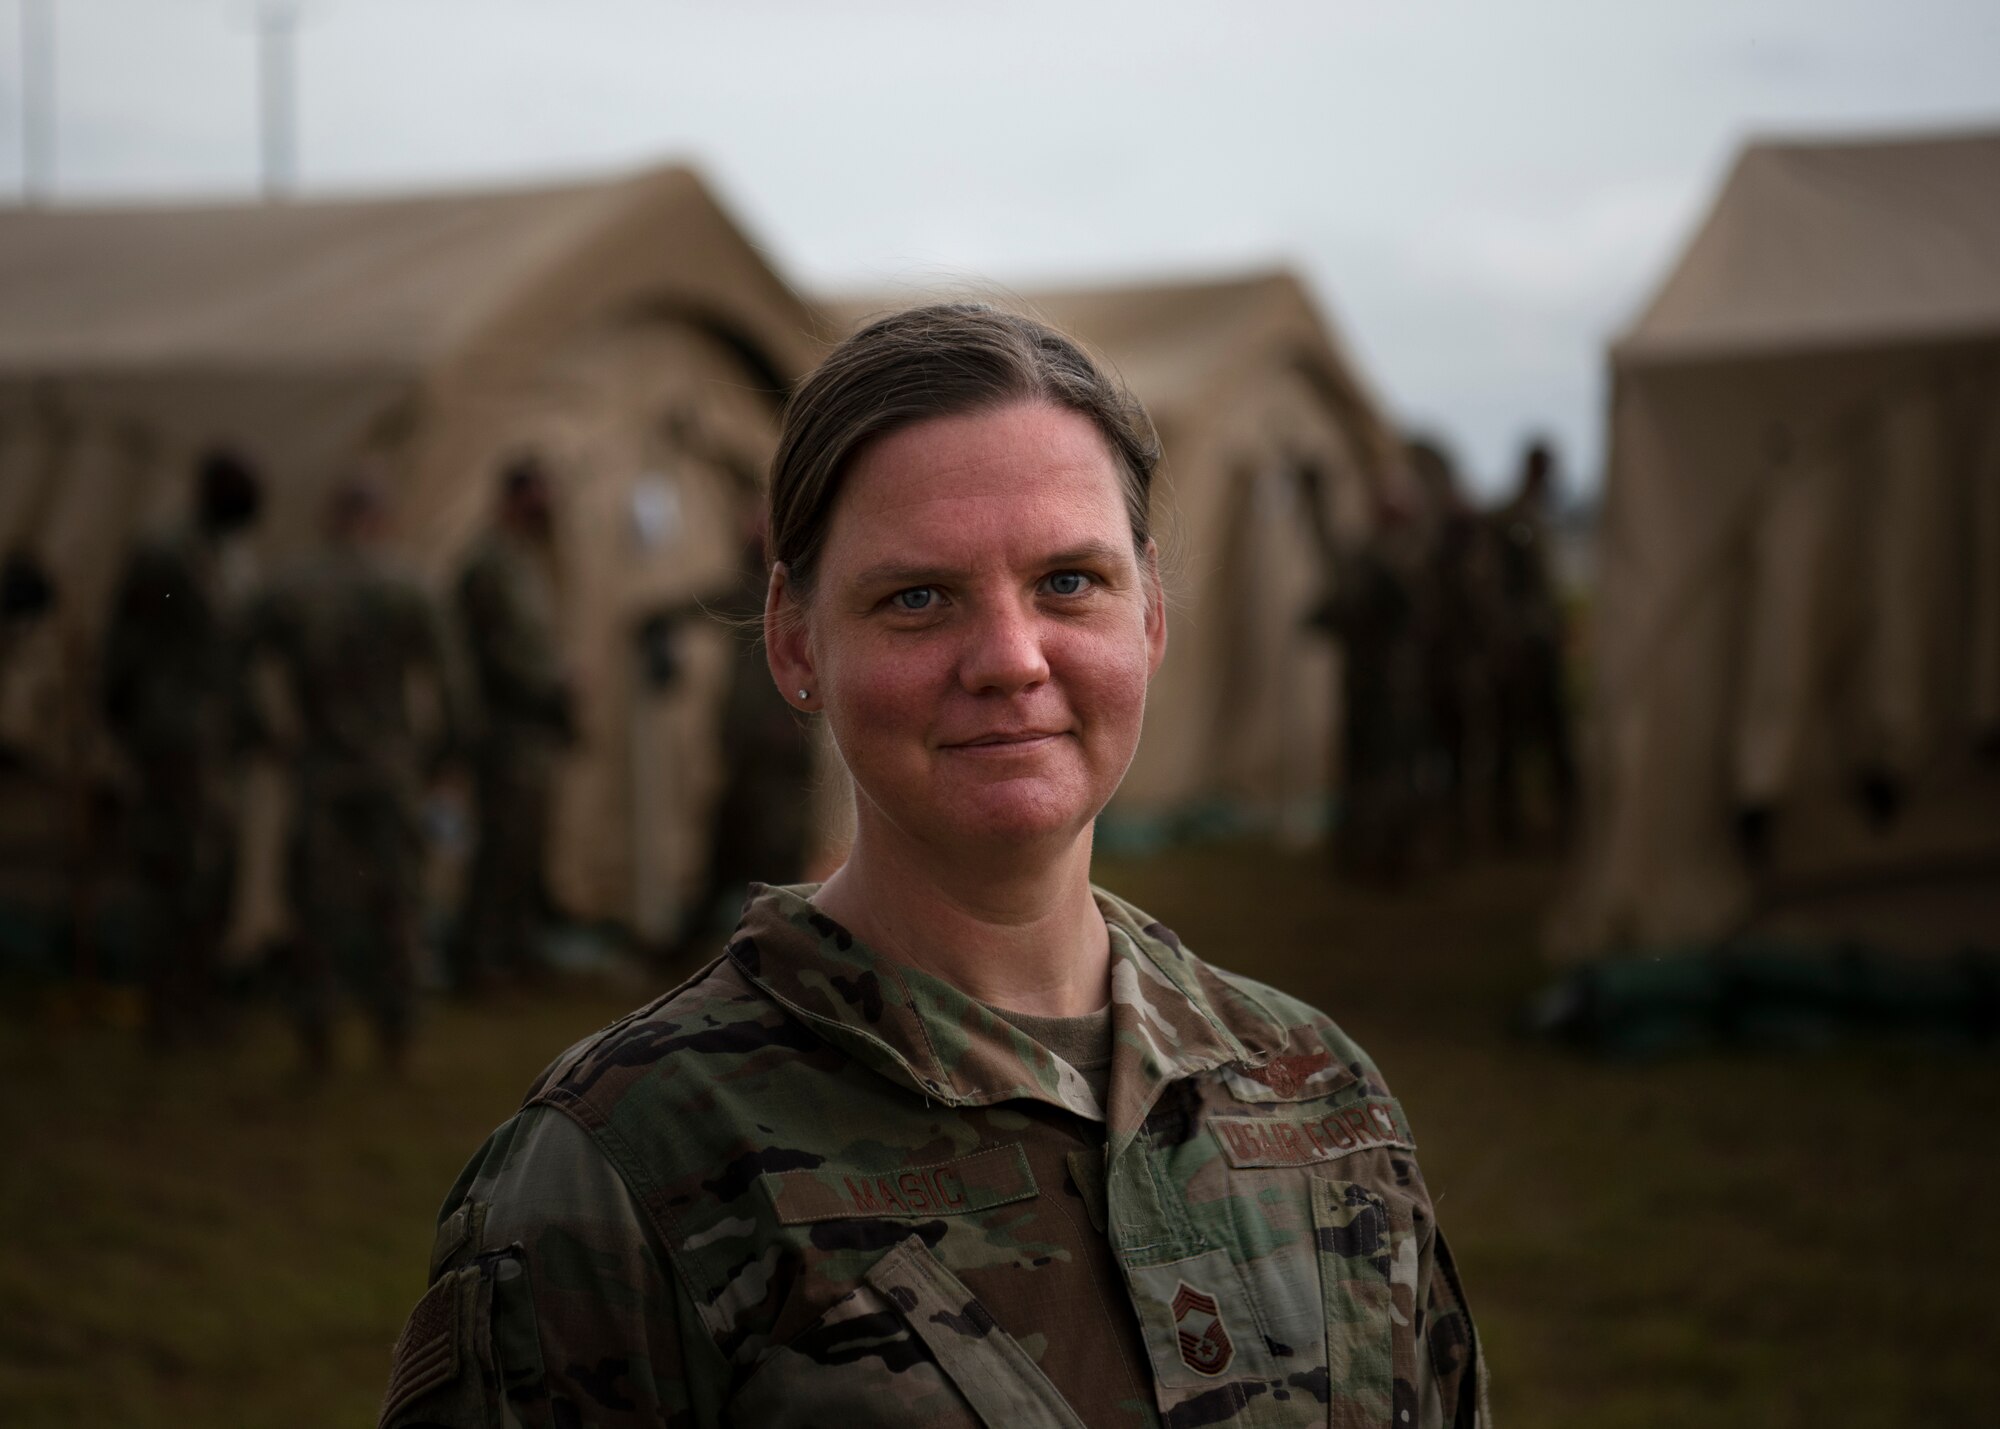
(786,647)
(1156,611)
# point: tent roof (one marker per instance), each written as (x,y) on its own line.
(386,283)
(1836,245)
(1170,339)
(1180,344)
(1174,340)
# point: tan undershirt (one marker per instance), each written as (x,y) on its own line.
(1095,1352)
(1083,1042)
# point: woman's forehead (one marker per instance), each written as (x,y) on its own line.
(1024,477)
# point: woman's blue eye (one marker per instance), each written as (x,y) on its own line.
(915,598)
(1069,582)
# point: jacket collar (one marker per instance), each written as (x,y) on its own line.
(924,1034)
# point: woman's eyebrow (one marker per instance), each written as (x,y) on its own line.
(1090,553)
(898,573)
(907,573)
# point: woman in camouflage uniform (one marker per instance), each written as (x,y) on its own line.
(953,1138)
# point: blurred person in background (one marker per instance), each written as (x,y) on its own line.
(1453,639)
(761,820)
(170,685)
(27,590)
(352,636)
(954,1138)
(28,595)
(1530,695)
(1373,612)
(506,606)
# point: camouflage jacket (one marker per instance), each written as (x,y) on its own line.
(506,607)
(810,1187)
(348,629)
(170,677)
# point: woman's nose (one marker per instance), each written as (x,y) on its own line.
(1003,653)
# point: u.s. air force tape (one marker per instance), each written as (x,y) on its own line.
(958,1187)
(1297,1140)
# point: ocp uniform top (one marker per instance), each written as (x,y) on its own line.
(811,1186)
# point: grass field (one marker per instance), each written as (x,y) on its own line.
(1798,1241)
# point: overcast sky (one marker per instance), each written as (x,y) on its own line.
(1479,192)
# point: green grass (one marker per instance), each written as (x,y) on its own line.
(197,1242)
(1770,1241)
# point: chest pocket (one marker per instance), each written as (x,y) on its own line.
(909,1345)
(1368,1262)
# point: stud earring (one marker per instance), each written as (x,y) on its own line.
(805,694)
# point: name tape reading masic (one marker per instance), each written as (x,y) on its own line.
(947,1188)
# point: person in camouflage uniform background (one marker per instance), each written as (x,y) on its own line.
(954,1138)
(1451,635)
(172,700)
(761,822)
(1530,698)
(1375,612)
(506,606)
(349,632)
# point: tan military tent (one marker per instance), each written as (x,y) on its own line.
(1275,446)
(1799,626)
(626,329)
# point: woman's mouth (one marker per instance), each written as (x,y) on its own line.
(1006,741)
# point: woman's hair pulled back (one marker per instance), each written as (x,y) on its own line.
(942,360)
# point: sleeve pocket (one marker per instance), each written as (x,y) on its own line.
(470,1354)
(434,1365)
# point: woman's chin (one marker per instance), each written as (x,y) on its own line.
(1015,818)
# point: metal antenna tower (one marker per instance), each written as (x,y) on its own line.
(277,94)
(38,100)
